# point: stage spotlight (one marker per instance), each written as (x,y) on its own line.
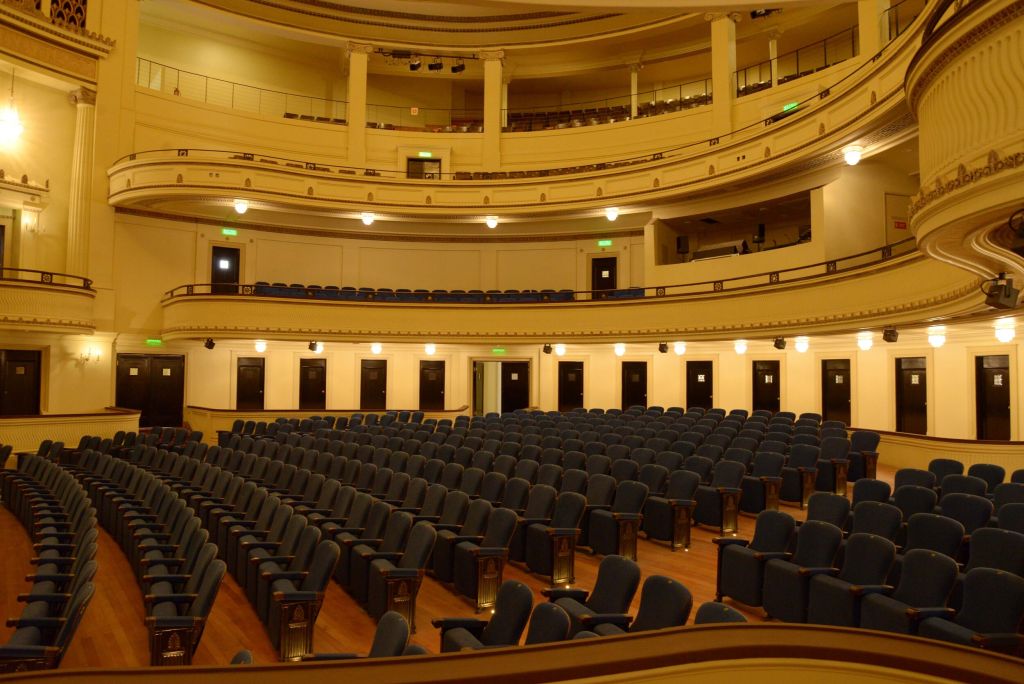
(663,347)
(548,349)
(779,343)
(436,65)
(1001,294)
(415,64)
(316,347)
(459,67)
(209,343)
(890,335)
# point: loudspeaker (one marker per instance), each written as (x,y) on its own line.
(1002,296)
(663,347)
(890,335)
(779,343)
(682,244)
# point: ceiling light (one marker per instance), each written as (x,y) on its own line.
(436,65)
(429,348)
(865,340)
(779,343)
(10,124)
(611,213)
(368,217)
(740,346)
(559,349)
(852,154)
(376,347)
(679,348)
(802,344)
(1006,329)
(414,65)
(261,346)
(620,348)
(316,347)
(209,343)
(547,348)
(241,206)
(937,336)
(459,67)
(491,221)
(663,347)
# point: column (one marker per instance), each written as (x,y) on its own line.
(493,88)
(79,209)
(773,54)
(723,69)
(634,89)
(869,26)
(358,59)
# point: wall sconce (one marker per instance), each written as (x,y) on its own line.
(89,354)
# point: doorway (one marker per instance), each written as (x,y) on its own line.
(515,385)
(312,384)
(153,384)
(224,270)
(767,393)
(992,396)
(912,395)
(634,384)
(373,385)
(500,386)
(432,385)
(429,169)
(603,275)
(570,385)
(835,390)
(19,382)
(249,382)
(699,384)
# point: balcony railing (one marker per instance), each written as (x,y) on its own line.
(30,275)
(801,62)
(703,288)
(246,98)
(393,117)
(897,18)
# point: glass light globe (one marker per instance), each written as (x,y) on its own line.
(429,348)
(376,347)
(559,350)
(679,348)
(802,344)
(740,346)
(261,346)
(865,340)
(620,348)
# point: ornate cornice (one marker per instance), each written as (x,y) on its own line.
(82,96)
(966,177)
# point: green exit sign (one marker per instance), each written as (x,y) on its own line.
(790,107)
(604,243)
(229,231)
(497,350)
(425,155)
(153,342)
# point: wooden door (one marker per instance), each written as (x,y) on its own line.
(634,384)
(766,390)
(992,396)
(835,389)
(912,395)
(515,385)
(249,383)
(19,382)
(312,384)
(570,385)
(373,385)
(700,384)
(432,385)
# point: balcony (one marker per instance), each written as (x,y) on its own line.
(43,301)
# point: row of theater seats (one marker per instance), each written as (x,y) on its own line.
(61,521)
(455,296)
(519,122)
(153,520)
(815,573)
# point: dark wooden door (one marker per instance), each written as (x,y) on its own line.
(153,384)
(699,384)
(835,389)
(249,384)
(570,385)
(767,393)
(992,396)
(603,275)
(515,385)
(373,385)
(19,382)
(312,384)
(911,395)
(432,385)
(634,384)
(224,270)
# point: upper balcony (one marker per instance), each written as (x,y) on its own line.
(43,301)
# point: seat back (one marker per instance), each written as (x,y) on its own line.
(934,533)
(971,510)
(664,602)
(816,544)
(712,612)
(912,499)
(773,531)
(420,544)
(881,519)
(830,508)
(500,526)
(568,511)
(992,474)
(992,547)
(630,497)
(870,490)
(1011,517)
(926,578)
(993,601)
(548,623)
(454,508)
(511,613)
(728,474)
(617,581)
(942,467)
(391,637)
(477,515)
(868,559)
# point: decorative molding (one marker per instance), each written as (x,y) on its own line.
(60,49)
(965,178)
(49,308)
(82,96)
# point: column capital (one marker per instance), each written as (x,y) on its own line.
(487,55)
(82,96)
(636,67)
(735,17)
(361,48)
(775,33)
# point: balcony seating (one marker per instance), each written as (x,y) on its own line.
(617,581)
(395,578)
(664,602)
(835,598)
(511,613)
(786,582)
(926,581)
(993,607)
(741,562)
(478,563)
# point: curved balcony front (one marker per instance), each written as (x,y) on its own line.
(42,301)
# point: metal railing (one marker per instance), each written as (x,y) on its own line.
(31,275)
(231,95)
(785,276)
(798,63)
(897,18)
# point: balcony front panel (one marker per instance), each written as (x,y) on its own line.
(46,307)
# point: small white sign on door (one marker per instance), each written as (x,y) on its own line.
(19,370)
(700,377)
(769,379)
(605,274)
(915,379)
(997,380)
(515,376)
(133,371)
(839,379)
(167,372)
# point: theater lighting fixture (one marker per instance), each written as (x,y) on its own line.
(241,206)
(89,354)
(491,221)
(890,335)
(209,343)
(10,124)
(679,348)
(1001,294)
(852,154)
(620,348)
(611,213)
(547,349)
(1006,329)
(458,67)
(937,336)
(740,346)
(436,65)
(415,64)
(430,349)
(376,347)
(779,343)
(368,217)
(802,344)
(261,346)
(559,349)
(865,340)
(316,347)
(663,347)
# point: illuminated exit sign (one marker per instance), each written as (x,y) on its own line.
(604,243)
(229,231)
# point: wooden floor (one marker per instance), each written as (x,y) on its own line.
(113,633)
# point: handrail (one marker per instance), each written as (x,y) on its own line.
(700,86)
(787,65)
(801,108)
(46,277)
(894,27)
(683,290)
